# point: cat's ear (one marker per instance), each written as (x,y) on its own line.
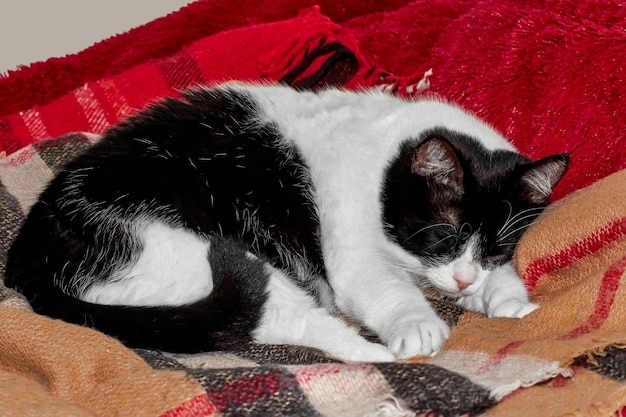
(540,178)
(436,160)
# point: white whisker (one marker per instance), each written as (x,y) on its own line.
(441,240)
(521,213)
(429,227)
(425,284)
(513,232)
(514,223)
(518,218)
(466,229)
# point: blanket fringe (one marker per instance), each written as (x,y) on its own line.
(391,407)
(406,86)
(602,409)
(599,351)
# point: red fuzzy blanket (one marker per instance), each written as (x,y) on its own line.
(548,74)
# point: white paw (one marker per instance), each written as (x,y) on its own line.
(418,338)
(512,308)
(367,352)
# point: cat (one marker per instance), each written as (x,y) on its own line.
(250,213)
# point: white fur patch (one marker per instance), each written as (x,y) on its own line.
(291,317)
(172,269)
(463,268)
(502,294)
(368,127)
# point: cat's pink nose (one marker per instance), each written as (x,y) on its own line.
(462,284)
(464,276)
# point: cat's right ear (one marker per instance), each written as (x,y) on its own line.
(436,160)
(540,178)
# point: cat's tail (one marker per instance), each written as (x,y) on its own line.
(224,319)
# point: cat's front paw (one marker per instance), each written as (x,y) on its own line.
(512,308)
(368,352)
(418,338)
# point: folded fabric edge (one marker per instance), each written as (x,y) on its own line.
(502,373)
(541,375)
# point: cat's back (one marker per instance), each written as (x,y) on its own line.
(331,119)
(369,120)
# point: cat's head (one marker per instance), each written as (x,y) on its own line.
(461,208)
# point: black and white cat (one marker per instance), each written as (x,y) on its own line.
(246,212)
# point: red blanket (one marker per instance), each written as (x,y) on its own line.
(549,74)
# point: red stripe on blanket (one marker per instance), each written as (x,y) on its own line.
(95,106)
(246,390)
(496,358)
(113,100)
(20,135)
(142,84)
(95,115)
(20,158)
(200,406)
(180,71)
(606,296)
(35,127)
(9,136)
(585,247)
(306,374)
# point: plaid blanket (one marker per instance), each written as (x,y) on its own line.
(557,90)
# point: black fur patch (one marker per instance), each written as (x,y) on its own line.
(203,163)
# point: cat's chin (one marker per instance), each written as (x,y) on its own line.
(457,294)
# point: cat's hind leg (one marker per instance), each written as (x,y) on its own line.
(170,268)
(291,316)
(207,293)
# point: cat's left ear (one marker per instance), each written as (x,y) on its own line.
(436,160)
(538,180)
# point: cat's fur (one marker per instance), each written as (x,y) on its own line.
(245,212)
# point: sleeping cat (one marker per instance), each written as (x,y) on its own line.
(248,212)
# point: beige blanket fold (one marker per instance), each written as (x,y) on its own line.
(51,368)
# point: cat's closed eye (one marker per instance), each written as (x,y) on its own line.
(447,240)
(435,238)
(445,245)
